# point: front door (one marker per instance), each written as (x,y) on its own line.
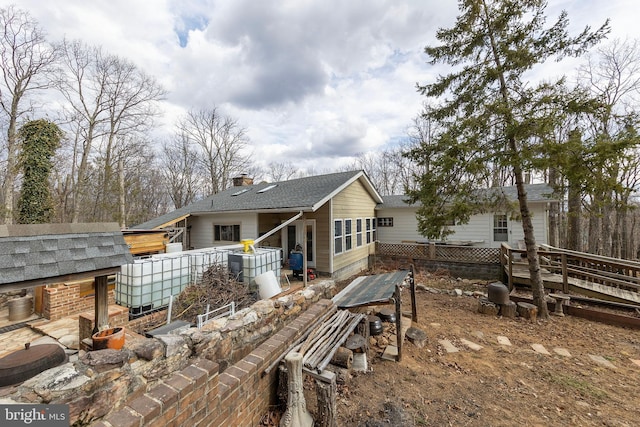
(293,238)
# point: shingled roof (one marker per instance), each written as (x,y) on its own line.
(37,254)
(303,194)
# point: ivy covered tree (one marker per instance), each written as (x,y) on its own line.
(491,116)
(40,139)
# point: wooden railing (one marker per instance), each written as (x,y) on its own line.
(434,252)
(613,272)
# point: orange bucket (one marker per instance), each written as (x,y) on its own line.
(109,338)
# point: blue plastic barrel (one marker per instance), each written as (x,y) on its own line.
(295,260)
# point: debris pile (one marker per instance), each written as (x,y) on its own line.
(216,288)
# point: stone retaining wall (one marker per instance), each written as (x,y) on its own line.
(208,377)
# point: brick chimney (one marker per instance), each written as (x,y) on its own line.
(242,180)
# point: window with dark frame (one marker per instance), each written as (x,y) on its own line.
(385,222)
(226,232)
(500,228)
(359,232)
(337,236)
(368,229)
(347,235)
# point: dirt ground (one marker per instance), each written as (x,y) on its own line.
(498,385)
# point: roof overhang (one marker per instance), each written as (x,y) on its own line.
(172,221)
(27,284)
(259,211)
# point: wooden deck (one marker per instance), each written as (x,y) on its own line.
(520,276)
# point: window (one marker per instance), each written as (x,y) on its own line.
(385,222)
(373,229)
(226,233)
(368,228)
(500,230)
(347,235)
(359,232)
(337,236)
(265,189)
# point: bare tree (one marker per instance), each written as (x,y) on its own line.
(109,100)
(180,171)
(612,77)
(26,60)
(282,171)
(222,143)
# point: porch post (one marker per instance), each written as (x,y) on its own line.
(304,252)
(101,304)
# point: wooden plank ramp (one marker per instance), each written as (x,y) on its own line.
(521,276)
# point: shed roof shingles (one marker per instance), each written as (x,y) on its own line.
(51,254)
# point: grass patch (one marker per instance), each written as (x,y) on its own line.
(585,388)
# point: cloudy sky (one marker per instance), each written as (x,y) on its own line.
(314,82)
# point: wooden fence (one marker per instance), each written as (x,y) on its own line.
(445,253)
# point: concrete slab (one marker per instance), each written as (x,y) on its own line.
(503,340)
(473,346)
(448,346)
(562,351)
(539,348)
(635,362)
(478,334)
(390,353)
(602,361)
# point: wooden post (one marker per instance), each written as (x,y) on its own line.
(101,303)
(398,321)
(565,278)
(327,409)
(432,251)
(412,283)
(304,252)
(510,261)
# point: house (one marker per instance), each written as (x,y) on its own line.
(397,221)
(332,216)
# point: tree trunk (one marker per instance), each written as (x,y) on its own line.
(574,215)
(343,357)
(537,286)
(327,408)
(121,198)
(594,231)
(12,164)
(554,212)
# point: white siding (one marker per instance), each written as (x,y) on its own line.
(479,228)
(405,226)
(202,227)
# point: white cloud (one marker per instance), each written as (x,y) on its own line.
(313,82)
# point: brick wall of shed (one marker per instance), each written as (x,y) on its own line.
(62,300)
(200,396)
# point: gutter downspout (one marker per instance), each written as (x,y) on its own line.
(281,226)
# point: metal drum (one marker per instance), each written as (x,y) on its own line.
(498,293)
(375,325)
(20,308)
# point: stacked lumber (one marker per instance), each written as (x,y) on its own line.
(323,342)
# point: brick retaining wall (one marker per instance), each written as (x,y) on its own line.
(200,396)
